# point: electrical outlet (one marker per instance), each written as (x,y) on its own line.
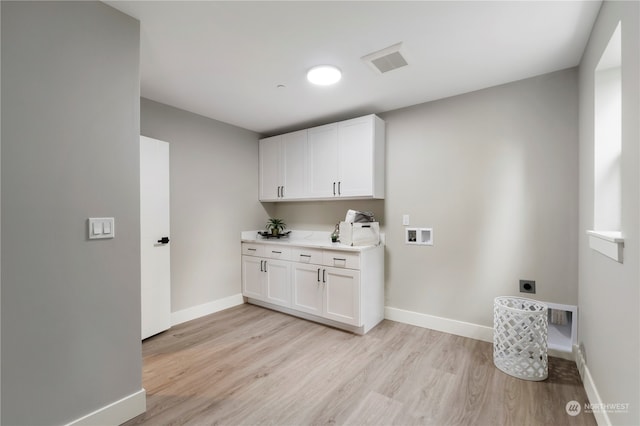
(528,286)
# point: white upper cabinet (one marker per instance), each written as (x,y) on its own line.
(338,160)
(356,158)
(282,166)
(294,155)
(270,171)
(346,159)
(322,164)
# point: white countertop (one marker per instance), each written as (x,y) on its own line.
(317,239)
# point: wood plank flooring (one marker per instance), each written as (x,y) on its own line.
(248,365)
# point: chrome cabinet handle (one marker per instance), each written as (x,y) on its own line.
(265,266)
(339,187)
(339,258)
(282,191)
(276,252)
(261,270)
(318,274)
(334,188)
(305,255)
(324,278)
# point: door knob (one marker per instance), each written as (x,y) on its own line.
(164,240)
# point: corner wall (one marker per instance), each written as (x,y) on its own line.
(609,295)
(495,173)
(214,196)
(70,124)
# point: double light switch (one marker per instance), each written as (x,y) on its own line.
(101,227)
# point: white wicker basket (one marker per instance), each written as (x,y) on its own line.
(520,337)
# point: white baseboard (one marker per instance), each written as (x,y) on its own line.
(459,328)
(117,412)
(198,311)
(602,418)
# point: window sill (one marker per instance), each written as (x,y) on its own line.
(608,243)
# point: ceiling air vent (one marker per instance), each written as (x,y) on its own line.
(387,59)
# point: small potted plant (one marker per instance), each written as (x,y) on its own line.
(276,226)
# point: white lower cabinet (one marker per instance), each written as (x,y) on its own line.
(266,279)
(344,289)
(253,280)
(329,292)
(307,289)
(342,295)
(278,290)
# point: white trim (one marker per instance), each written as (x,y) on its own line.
(459,328)
(602,418)
(569,356)
(208,308)
(117,412)
(613,236)
(608,243)
(300,314)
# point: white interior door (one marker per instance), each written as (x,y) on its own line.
(155,251)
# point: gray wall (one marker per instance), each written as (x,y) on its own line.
(609,291)
(70,307)
(0,217)
(214,196)
(495,173)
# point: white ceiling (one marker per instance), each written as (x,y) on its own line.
(224,60)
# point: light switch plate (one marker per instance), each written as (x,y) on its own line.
(96,228)
(405,219)
(101,227)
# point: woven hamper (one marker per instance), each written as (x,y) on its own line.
(520,337)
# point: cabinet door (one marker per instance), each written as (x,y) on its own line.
(342,295)
(307,289)
(355,157)
(253,277)
(322,148)
(294,165)
(270,175)
(278,282)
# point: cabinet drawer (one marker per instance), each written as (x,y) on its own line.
(277,252)
(307,255)
(341,259)
(249,249)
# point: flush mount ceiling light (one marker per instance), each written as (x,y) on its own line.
(324,75)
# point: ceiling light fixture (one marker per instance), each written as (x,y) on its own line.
(324,75)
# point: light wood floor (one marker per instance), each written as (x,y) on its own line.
(248,365)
